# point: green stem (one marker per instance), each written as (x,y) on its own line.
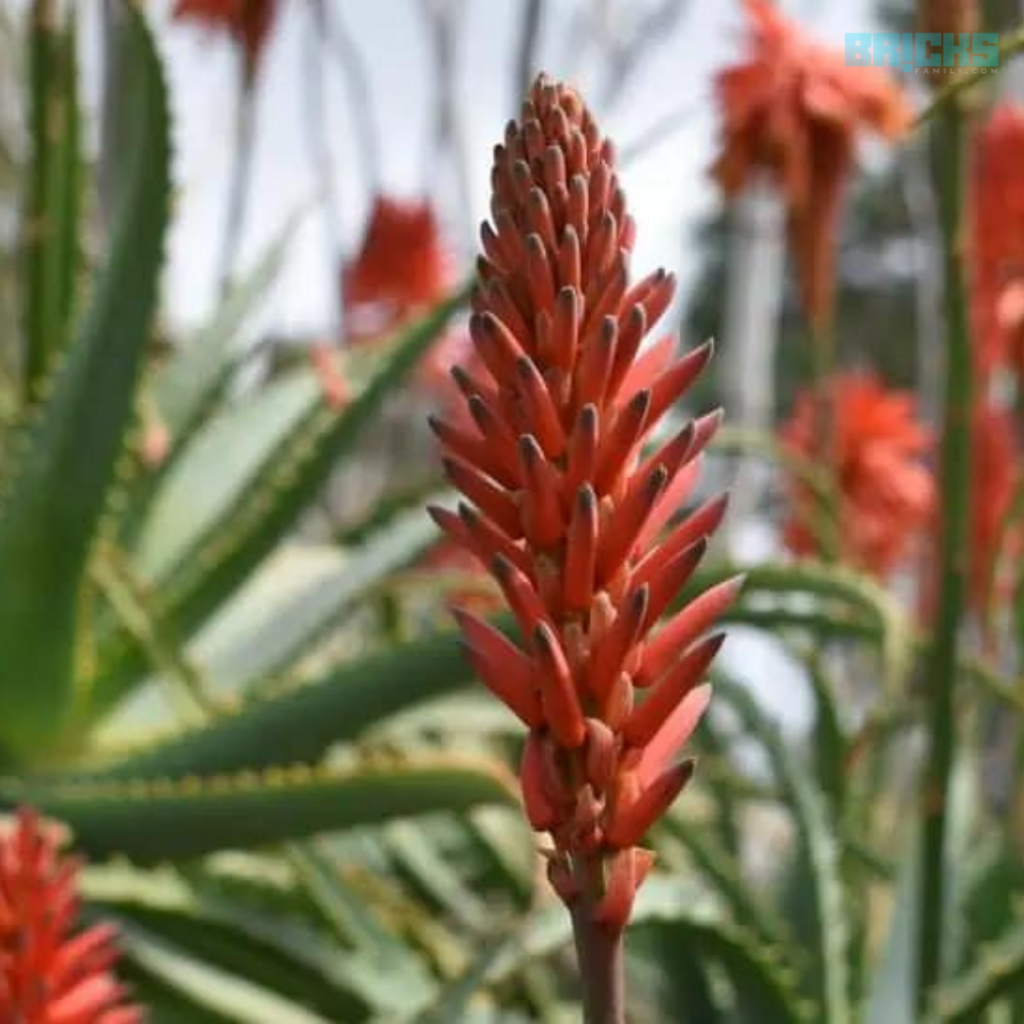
(948,167)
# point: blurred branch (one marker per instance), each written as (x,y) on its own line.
(320,148)
(1011,45)
(526,55)
(753,304)
(241,173)
(446,142)
(662,130)
(357,84)
(629,50)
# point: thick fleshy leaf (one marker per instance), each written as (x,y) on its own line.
(55,494)
(290,478)
(664,902)
(52,249)
(300,723)
(819,843)
(165,820)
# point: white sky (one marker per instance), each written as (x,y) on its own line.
(668,188)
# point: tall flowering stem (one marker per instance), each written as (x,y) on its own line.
(948,167)
(567,502)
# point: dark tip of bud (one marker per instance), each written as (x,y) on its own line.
(468,514)
(542,635)
(640,402)
(461,379)
(438,514)
(609,329)
(502,567)
(586,497)
(714,642)
(535,244)
(637,607)
(588,417)
(525,367)
(657,480)
(529,448)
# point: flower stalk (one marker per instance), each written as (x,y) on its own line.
(948,168)
(568,496)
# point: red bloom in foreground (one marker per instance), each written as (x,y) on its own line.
(248,21)
(566,506)
(885,493)
(401,268)
(47,974)
(996,474)
(793,109)
(997,240)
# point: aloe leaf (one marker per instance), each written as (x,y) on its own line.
(210,987)
(52,249)
(289,481)
(724,872)
(55,493)
(893,992)
(398,979)
(998,970)
(190,388)
(194,380)
(750,966)
(222,463)
(264,949)
(818,841)
(165,820)
(281,614)
(299,724)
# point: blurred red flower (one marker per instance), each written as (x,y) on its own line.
(248,21)
(997,240)
(47,974)
(885,493)
(996,473)
(792,109)
(403,266)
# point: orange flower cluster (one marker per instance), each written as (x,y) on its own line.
(997,241)
(48,975)
(248,21)
(792,110)
(885,493)
(566,507)
(401,268)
